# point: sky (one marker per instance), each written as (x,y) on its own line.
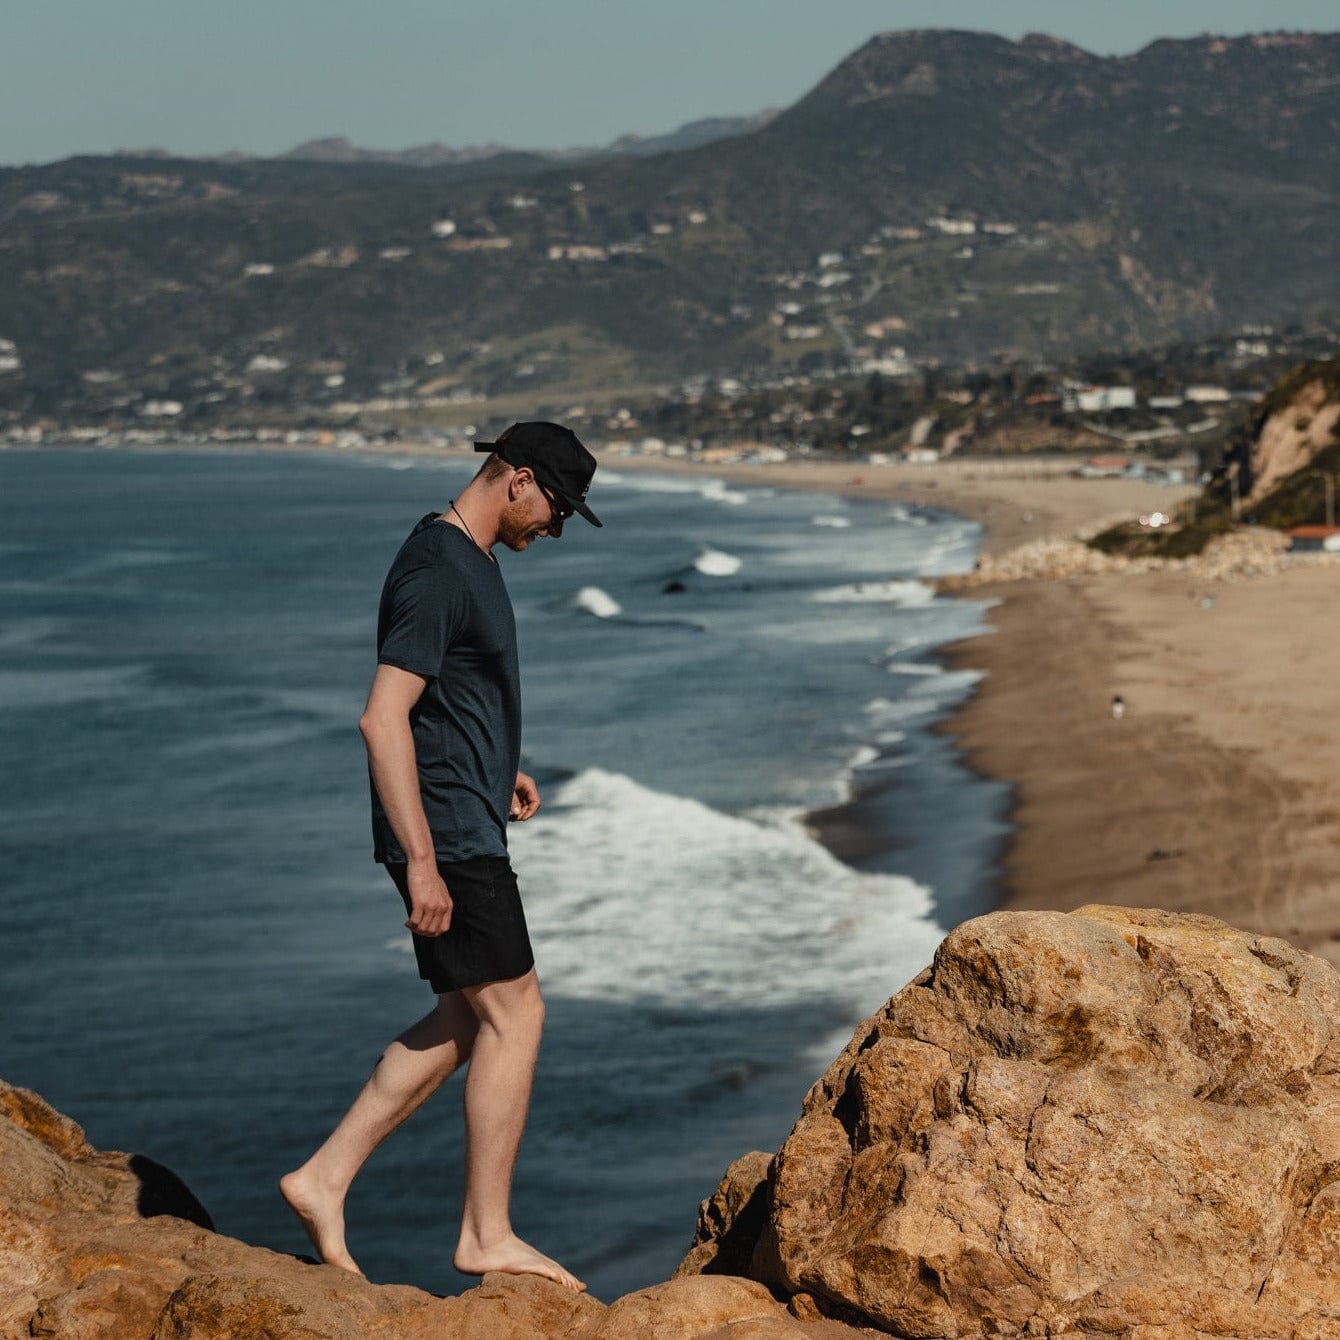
(200,77)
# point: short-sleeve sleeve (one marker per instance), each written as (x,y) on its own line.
(423,615)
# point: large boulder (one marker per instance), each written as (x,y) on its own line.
(105,1246)
(1109,1122)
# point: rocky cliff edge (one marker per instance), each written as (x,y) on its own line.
(1111,1122)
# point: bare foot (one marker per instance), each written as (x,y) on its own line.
(321,1215)
(512,1256)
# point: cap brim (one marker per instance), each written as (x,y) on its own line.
(583,510)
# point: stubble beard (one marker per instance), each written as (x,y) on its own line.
(515,530)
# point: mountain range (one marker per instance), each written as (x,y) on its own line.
(940,195)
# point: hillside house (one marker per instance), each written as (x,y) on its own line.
(1104,467)
(952,227)
(1097,399)
(577,251)
(1314,539)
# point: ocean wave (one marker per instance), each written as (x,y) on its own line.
(632,893)
(711,488)
(905,593)
(716,563)
(833,522)
(593,600)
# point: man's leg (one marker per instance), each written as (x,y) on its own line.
(497,1098)
(409,1071)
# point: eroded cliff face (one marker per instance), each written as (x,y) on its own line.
(1110,1122)
(1291,436)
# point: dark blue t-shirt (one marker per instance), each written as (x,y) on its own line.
(445,614)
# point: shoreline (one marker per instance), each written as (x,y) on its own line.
(1013,501)
(1217,792)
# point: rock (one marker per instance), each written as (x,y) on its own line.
(707,1307)
(96,1245)
(1255,551)
(730,1220)
(1112,1121)
(105,1246)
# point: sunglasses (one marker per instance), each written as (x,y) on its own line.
(559,511)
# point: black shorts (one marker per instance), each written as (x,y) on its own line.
(487,940)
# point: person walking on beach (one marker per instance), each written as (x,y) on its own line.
(442,727)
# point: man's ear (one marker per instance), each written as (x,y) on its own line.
(521,476)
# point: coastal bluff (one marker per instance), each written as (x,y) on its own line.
(1109,1122)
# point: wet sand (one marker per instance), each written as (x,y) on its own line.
(1218,791)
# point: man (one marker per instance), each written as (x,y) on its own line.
(443,733)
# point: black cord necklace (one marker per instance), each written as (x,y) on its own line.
(451,506)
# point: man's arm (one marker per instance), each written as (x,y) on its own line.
(390,744)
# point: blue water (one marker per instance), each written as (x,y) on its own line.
(201,961)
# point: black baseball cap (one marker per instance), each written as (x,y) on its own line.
(556,457)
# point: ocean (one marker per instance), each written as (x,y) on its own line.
(202,962)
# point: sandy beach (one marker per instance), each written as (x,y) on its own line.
(1218,791)
(1013,500)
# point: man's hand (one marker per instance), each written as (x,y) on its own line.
(526,797)
(429,900)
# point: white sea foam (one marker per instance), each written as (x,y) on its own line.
(716,563)
(593,600)
(711,488)
(905,593)
(926,695)
(635,894)
(914,668)
(832,522)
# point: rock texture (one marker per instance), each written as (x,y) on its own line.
(1110,1122)
(102,1246)
(1247,552)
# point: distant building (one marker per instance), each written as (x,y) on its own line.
(952,227)
(1098,399)
(1207,395)
(1104,467)
(578,252)
(1314,539)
